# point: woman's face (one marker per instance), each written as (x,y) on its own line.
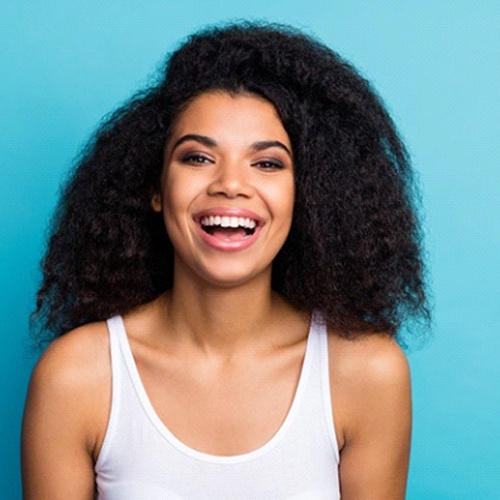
(227,189)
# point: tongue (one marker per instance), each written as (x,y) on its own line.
(229,233)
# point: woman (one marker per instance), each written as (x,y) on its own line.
(247,224)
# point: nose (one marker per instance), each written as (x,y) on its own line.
(231,180)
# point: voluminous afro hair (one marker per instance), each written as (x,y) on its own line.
(353,253)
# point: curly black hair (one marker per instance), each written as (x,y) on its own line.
(354,251)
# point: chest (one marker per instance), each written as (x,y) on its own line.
(263,428)
(223,410)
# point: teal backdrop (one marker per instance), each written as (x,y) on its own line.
(65,64)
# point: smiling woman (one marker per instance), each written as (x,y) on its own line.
(227,160)
(230,264)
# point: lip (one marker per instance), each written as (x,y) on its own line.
(229,211)
(228,246)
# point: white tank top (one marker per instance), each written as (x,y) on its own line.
(142,460)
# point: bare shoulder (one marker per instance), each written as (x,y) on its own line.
(375,361)
(371,402)
(78,357)
(369,380)
(66,415)
(71,385)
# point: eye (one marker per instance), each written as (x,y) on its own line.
(195,158)
(269,165)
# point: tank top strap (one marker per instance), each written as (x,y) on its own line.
(319,346)
(117,341)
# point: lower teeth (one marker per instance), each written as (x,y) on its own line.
(211,229)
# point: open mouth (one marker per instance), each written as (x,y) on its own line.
(228,228)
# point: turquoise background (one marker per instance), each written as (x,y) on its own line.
(65,64)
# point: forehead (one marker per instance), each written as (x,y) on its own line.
(225,115)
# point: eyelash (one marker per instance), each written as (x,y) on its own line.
(195,158)
(199,159)
(269,165)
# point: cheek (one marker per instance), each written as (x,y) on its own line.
(176,194)
(180,192)
(173,204)
(283,196)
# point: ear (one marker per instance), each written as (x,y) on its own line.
(156,203)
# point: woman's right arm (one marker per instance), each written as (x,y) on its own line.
(65,417)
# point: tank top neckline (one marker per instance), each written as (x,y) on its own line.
(165,432)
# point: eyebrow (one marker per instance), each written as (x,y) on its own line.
(261,145)
(202,139)
(209,142)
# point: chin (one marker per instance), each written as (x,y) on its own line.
(229,277)
(229,282)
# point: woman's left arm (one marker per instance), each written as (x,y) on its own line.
(374,404)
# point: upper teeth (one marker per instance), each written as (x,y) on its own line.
(224,221)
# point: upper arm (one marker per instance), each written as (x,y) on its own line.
(375,418)
(60,427)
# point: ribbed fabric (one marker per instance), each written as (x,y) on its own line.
(142,460)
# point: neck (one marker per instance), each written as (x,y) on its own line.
(223,319)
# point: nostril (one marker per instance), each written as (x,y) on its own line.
(230,185)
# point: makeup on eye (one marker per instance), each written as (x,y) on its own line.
(195,158)
(266,164)
(209,142)
(269,164)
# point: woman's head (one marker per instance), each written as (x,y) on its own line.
(353,251)
(227,189)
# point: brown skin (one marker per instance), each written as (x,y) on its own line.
(371,400)
(221,333)
(65,416)
(69,402)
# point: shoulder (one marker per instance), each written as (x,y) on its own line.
(375,360)
(71,384)
(66,415)
(75,356)
(369,380)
